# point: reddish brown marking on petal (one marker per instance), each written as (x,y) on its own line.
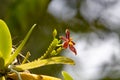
(63,38)
(65,44)
(73,42)
(67,33)
(67,41)
(73,49)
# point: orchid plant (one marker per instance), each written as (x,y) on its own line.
(11,71)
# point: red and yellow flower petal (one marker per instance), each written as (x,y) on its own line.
(73,49)
(65,44)
(67,34)
(67,41)
(73,42)
(63,38)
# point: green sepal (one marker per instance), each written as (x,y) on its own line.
(44,62)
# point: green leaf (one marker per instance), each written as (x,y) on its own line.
(66,76)
(14,55)
(44,62)
(5,41)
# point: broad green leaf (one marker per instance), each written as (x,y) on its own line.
(66,76)
(44,62)
(5,41)
(14,55)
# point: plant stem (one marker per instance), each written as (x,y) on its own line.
(19,77)
(52,46)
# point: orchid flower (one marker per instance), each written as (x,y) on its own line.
(68,42)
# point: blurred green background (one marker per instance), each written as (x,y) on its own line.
(20,15)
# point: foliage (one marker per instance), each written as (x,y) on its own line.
(66,76)
(9,70)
